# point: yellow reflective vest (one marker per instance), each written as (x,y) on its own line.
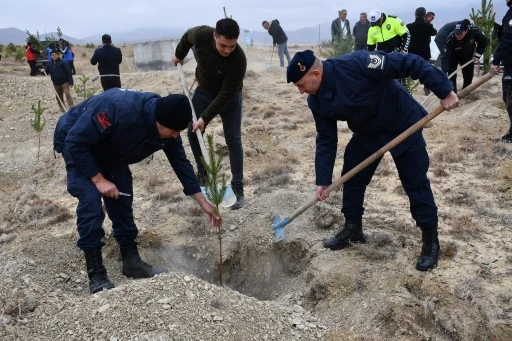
(392,35)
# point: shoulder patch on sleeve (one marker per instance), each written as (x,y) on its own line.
(376,62)
(103,121)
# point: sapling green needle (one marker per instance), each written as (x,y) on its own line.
(215,184)
(37,122)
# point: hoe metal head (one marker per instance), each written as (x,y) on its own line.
(279,224)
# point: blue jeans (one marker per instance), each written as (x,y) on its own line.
(232,125)
(282,50)
(90,215)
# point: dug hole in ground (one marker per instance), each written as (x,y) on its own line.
(293,289)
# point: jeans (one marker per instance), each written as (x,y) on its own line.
(90,213)
(232,125)
(282,50)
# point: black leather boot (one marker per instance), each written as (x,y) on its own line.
(98,279)
(134,267)
(430,249)
(240,200)
(351,233)
(507,138)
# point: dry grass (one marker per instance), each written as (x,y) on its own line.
(463,227)
(154,180)
(440,172)
(449,250)
(379,247)
(272,170)
(449,153)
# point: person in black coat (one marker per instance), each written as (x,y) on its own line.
(279,38)
(421,32)
(108,59)
(503,55)
(62,79)
(464,43)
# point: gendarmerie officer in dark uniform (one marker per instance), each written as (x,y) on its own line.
(360,88)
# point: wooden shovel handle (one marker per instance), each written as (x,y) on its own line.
(391,144)
(194,117)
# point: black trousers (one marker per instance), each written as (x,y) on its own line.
(467,73)
(506,86)
(33,69)
(110,82)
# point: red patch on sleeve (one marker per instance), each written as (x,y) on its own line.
(103,121)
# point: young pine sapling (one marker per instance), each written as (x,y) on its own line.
(37,122)
(215,184)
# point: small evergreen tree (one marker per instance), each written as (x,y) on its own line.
(339,47)
(215,185)
(59,32)
(37,122)
(484,20)
(82,89)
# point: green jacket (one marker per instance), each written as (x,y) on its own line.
(221,76)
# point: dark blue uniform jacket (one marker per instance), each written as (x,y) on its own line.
(360,88)
(118,128)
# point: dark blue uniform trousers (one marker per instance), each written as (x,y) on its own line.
(412,165)
(90,213)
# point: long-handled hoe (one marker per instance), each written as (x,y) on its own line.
(280,223)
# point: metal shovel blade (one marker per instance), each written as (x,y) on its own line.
(229,198)
(279,224)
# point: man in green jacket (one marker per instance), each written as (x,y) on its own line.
(221,66)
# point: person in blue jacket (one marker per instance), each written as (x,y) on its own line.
(68,56)
(99,139)
(360,88)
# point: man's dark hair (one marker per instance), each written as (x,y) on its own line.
(420,12)
(264,22)
(106,39)
(228,28)
(431,13)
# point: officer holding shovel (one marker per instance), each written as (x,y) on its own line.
(360,88)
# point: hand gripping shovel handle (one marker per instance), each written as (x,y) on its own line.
(194,117)
(450,76)
(411,130)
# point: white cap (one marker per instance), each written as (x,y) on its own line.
(374,15)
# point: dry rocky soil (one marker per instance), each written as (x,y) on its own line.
(289,290)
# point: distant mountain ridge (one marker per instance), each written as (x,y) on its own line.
(307,35)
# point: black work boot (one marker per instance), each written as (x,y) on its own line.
(351,233)
(430,249)
(134,267)
(240,200)
(507,138)
(98,279)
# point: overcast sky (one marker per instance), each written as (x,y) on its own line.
(81,19)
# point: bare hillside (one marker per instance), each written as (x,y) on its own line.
(290,290)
